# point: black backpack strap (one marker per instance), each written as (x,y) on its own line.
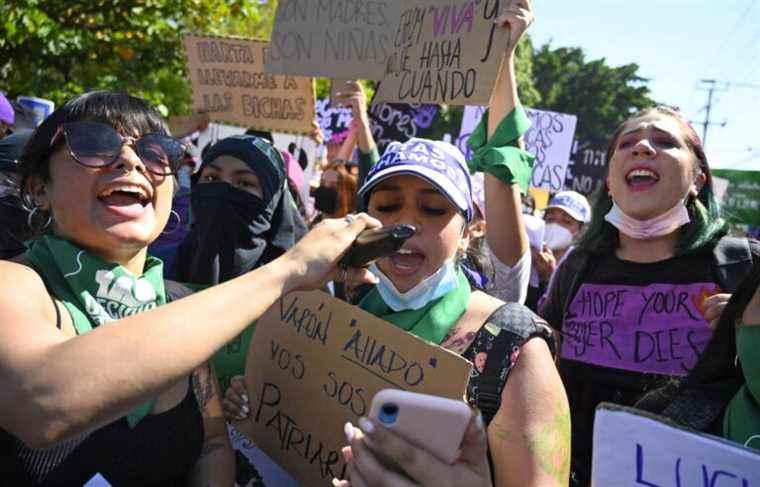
(733,260)
(500,338)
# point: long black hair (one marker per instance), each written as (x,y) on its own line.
(706,225)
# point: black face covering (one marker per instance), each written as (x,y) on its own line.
(326,199)
(233,230)
(13,227)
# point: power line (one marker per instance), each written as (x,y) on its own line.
(711,86)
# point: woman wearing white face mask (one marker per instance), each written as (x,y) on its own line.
(639,297)
(423,289)
(564,218)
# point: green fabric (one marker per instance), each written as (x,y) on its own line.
(366,161)
(97,292)
(433,321)
(742,420)
(229,361)
(508,164)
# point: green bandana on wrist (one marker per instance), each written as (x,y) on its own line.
(97,292)
(433,321)
(508,164)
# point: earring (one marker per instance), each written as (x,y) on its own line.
(177,226)
(30,218)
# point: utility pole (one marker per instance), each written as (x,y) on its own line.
(711,86)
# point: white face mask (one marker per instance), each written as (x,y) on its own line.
(431,288)
(557,237)
(658,226)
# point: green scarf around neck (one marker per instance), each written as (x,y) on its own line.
(433,321)
(94,291)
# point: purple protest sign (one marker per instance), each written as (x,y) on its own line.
(657,329)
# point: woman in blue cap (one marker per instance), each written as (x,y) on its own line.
(423,289)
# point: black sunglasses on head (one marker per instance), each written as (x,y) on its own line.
(95,144)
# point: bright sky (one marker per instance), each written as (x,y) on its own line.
(676,43)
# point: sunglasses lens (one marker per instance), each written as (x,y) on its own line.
(160,153)
(93,144)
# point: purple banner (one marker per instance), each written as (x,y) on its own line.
(658,328)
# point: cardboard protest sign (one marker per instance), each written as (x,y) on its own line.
(182,126)
(315,363)
(741,202)
(635,448)
(587,169)
(444,52)
(229,83)
(550,139)
(333,38)
(398,122)
(656,329)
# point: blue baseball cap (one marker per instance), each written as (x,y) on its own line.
(439,163)
(574,204)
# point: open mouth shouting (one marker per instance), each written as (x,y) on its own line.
(641,178)
(406,261)
(126,199)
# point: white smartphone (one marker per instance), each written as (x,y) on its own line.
(436,424)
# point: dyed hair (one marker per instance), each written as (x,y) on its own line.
(706,225)
(346,188)
(127,114)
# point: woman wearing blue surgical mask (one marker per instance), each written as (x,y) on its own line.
(423,289)
(638,299)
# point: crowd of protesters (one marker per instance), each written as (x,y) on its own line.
(106,218)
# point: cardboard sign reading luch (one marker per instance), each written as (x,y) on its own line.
(445,52)
(635,448)
(315,362)
(399,122)
(229,83)
(333,38)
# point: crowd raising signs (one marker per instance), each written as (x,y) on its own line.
(229,83)
(444,52)
(632,448)
(315,363)
(333,38)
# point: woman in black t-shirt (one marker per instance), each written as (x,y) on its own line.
(637,302)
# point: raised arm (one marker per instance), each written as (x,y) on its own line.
(55,387)
(507,239)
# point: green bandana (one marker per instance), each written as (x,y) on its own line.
(96,292)
(431,322)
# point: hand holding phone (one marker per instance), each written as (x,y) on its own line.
(436,424)
(375,243)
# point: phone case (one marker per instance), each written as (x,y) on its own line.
(434,423)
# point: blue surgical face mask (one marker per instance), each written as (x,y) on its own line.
(440,283)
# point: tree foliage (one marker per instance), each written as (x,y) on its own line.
(600,96)
(59,48)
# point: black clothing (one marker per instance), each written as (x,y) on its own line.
(159,451)
(655,368)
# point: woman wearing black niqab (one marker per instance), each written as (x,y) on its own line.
(243,213)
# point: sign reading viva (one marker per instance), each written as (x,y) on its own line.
(315,363)
(333,38)
(229,83)
(445,52)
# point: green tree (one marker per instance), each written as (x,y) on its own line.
(600,96)
(59,48)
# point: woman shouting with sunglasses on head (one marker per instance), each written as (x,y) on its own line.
(103,375)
